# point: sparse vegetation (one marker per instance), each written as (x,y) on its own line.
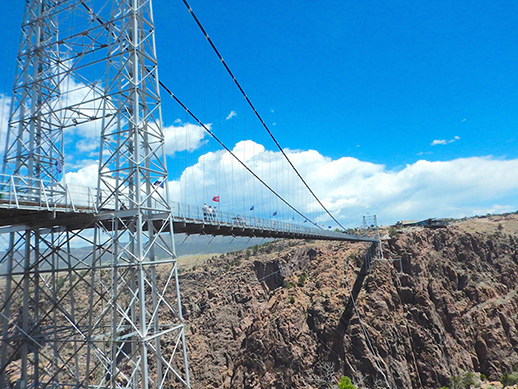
(346,383)
(466,380)
(393,231)
(509,379)
(289,284)
(324,376)
(302,279)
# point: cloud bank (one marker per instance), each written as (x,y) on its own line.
(348,187)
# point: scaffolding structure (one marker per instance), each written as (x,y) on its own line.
(112,316)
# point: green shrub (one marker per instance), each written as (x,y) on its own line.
(464,381)
(302,279)
(346,383)
(288,284)
(509,379)
(455,382)
(393,231)
(468,380)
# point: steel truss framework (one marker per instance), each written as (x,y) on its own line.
(111,317)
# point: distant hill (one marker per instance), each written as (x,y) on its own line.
(203,244)
(185,245)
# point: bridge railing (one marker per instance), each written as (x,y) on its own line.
(210,216)
(30,193)
(25,192)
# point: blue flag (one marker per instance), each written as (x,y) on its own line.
(159,183)
(253,207)
(275,213)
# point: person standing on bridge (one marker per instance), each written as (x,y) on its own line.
(205,211)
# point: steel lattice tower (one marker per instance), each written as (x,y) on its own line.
(111,317)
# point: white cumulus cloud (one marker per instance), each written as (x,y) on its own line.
(84,177)
(184,137)
(350,187)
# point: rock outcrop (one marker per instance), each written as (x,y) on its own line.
(269,317)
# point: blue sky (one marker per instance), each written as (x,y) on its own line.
(419,97)
(389,77)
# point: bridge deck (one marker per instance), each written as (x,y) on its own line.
(186,219)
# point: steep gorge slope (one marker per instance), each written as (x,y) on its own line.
(270,317)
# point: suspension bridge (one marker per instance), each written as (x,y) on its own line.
(22,207)
(92,64)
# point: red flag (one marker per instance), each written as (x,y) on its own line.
(216,199)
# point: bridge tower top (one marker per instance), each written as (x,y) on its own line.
(34,146)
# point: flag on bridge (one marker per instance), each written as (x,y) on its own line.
(159,183)
(252,208)
(215,199)
(275,213)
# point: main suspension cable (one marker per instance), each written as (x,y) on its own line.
(255,111)
(200,123)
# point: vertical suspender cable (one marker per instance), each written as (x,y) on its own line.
(255,111)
